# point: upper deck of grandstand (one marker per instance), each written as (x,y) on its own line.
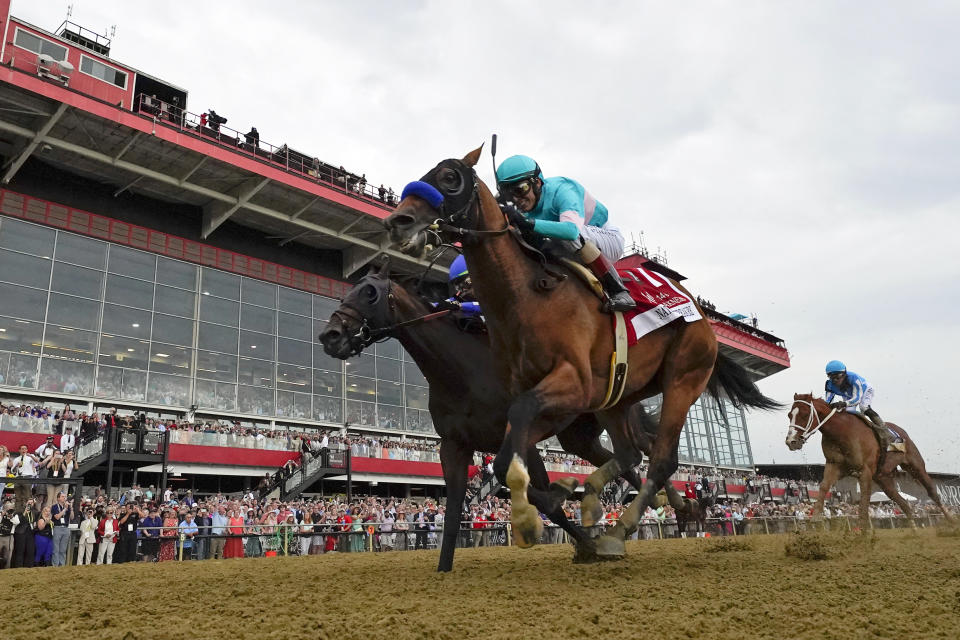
(102,120)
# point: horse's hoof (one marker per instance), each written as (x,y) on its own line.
(586,553)
(610,548)
(591,511)
(527,526)
(565,486)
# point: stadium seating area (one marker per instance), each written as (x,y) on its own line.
(141,525)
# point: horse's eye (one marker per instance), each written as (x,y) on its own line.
(450,181)
(370,292)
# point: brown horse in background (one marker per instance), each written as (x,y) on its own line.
(851,449)
(552,345)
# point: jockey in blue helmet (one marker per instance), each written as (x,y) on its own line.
(562,211)
(462,291)
(856,394)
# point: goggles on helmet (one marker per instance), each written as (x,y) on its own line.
(519,189)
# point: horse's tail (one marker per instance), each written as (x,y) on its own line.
(732,381)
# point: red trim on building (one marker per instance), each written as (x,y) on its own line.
(67,218)
(13,439)
(189,141)
(747,343)
(230,456)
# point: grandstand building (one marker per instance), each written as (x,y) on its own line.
(153,259)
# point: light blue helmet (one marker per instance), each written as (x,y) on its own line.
(458,268)
(835,366)
(517,168)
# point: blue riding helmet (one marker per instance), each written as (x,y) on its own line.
(835,366)
(458,268)
(517,168)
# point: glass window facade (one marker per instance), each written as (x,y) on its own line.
(714,434)
(98,320)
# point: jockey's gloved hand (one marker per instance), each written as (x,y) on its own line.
(839,406)
(517,219)
(448,305)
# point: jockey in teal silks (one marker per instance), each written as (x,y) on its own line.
(856,394)
(572,221)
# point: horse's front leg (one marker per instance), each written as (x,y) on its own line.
(831,473)
(866,484)
(663,464)
(540,486)
(455,460)
(557,395)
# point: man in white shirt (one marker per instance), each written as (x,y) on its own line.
(24,466)
(67,440)
(46,449)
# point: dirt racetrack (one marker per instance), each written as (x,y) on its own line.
(905,585)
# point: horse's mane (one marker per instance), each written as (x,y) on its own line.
(420,289)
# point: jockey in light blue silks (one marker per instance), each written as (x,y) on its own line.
(573,221)
(856,394)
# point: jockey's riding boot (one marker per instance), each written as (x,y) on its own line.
(883,434)
(606,273)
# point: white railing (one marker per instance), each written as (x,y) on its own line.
(93,447)
(235,440)
(393,453)
(25,424)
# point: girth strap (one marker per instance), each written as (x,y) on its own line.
(618,364)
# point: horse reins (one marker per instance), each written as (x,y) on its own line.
(807,431)
(365,335)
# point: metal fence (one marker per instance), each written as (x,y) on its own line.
(269,540)
(282,156)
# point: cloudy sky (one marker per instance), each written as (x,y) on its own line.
(797,161)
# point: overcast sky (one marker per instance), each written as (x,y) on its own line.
(797,161)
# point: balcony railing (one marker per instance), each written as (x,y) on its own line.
(281,156)
(26,424)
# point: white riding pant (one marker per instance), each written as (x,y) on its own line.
(608,238)
(866,400)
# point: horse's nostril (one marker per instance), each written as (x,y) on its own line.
(402,220)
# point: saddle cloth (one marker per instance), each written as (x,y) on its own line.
(659,303)
(896,441)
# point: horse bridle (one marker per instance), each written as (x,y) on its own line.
(367,335)
(453,201)
(804,434)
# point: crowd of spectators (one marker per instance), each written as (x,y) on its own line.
(142,525)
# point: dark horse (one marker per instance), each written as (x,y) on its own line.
(697,513)
(552,344)
(851,449)
(468,403)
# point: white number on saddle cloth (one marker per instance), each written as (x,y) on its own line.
(659,303)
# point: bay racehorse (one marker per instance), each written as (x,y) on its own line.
(468,401)
(552,344)
(851,449)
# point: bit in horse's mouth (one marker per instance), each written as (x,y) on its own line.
(414,245)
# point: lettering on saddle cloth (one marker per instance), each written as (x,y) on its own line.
(659,302)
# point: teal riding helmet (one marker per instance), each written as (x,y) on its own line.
(517,168)
(835,366)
